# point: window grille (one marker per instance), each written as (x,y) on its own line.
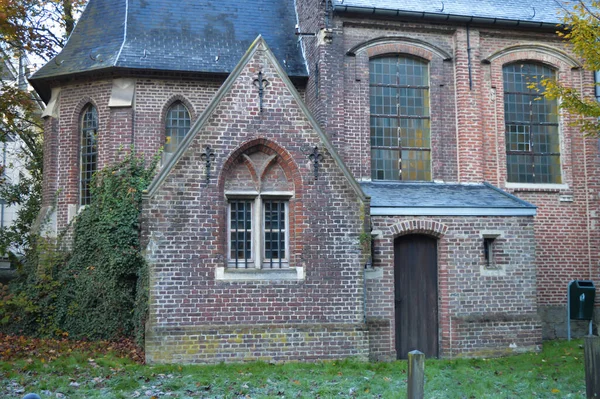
(240,231)
(274,232)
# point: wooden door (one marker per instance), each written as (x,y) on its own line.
(416,295)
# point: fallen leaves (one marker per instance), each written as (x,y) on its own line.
(14,347)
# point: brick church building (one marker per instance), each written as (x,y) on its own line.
(339,177)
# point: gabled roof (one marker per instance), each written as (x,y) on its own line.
(443,199)
(258,44)
(509,12)
(206,36)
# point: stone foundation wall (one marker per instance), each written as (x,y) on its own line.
(273,343)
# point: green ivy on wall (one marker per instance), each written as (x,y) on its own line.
(97,288)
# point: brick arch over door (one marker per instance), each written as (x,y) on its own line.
(426,227)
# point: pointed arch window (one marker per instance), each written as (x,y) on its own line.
(400,119)
(531,126)
(177,125)
(88,152)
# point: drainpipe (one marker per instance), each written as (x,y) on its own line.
(469,58)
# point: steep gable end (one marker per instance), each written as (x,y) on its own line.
(259,61)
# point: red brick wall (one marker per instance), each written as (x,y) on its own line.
(469,108)
(467,130)
(186,227)
(481,312)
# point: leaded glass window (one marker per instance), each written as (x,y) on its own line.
(531,123)
(88,152)
(400,119)
(177,126)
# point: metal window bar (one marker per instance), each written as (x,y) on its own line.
(275,230)
(88,152)
(244,244)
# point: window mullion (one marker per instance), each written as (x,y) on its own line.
(279,232)
(257,237)
(531,150)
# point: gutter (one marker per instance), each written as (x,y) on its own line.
(439,17)
(450,211)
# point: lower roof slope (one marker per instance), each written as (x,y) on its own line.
(443,199)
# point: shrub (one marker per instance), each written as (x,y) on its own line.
(98,288)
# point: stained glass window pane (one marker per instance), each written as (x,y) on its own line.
(400,119)
(531,126)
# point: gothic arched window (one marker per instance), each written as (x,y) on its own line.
(88,152)
(177,125)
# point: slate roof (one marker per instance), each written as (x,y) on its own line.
(543,11)
(176,35)
(403,198)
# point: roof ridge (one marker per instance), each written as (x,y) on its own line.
(124,33)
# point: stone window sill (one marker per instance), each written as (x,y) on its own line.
(288,274)
(374,273)
(532,187)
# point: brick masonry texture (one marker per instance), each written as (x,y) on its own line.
(186,225)
(479,312)
(196,317)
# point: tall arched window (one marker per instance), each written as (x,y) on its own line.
(400,121)
(88,152)
(177,126)
(531,122)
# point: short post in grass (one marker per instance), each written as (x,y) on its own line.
(416,375)
(592,366)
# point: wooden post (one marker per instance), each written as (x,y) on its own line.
(416,375)
(592,367)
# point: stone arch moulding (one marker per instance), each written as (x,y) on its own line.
(283,158)
(523,51)
(400,44)
(77,113)
(415,226)
(172,100)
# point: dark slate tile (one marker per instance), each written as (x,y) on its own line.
(439,195)
(183,35)
(548,11)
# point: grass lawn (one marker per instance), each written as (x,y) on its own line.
(95,372)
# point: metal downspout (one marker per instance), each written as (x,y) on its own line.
(469,58)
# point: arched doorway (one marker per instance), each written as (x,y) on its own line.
(416,294)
